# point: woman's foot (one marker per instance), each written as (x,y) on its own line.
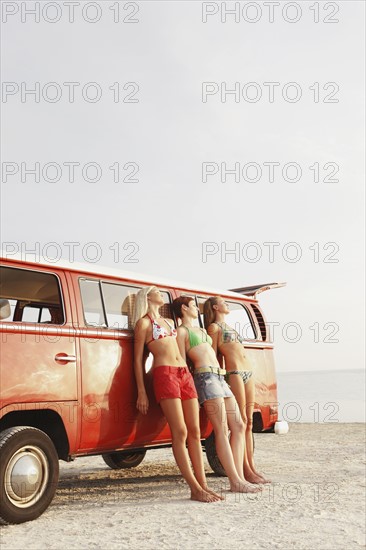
(208,490)
(240,487)
(204,496)
(263,479)
(260,476)
(253,478)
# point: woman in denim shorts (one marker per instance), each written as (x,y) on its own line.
(213,393)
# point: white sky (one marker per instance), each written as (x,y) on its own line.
(169,213)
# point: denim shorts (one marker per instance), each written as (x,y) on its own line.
(211,386)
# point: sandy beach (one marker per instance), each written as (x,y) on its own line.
(316,501)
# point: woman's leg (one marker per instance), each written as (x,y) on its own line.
(216,413)
(237,433)
(250,397)
(191,418)
(238,388)
(172,409)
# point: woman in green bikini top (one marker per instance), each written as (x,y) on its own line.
(228,343)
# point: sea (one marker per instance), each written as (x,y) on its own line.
(321,396)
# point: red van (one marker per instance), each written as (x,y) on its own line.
(67,379)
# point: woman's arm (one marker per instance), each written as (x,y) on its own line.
(214,331)
(220,359)
(182,341)
(140,337)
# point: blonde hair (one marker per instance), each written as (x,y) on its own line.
(141,304)
(209,314)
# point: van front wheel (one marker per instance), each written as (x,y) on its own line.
(124,459)
(28,473)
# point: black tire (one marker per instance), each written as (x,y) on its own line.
(212,457)
(257,422)
(124,459)
(28,474)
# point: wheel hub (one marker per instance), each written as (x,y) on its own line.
(26,476)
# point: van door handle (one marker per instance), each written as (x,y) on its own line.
(64,358)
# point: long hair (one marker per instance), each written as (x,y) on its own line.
(209,314)
(141,304)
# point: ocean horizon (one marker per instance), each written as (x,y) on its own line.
(322,396)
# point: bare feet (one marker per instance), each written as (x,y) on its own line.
(253,478)
(244,488)
(208,490)
(261,476)
(263,479)
(204,496)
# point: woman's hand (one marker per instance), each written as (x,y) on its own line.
(142,403)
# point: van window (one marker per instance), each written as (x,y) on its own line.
(93,308)
(30,296)
(110,305)
(119,302)
(240,319)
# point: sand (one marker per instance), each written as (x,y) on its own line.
(316,501)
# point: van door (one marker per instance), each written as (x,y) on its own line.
(110,420)
(38,355)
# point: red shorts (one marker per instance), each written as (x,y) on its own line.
(173,383)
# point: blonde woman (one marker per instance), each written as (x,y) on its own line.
(173,388)
(227,342)
(213,393)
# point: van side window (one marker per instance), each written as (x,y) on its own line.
(30,296)
(239,318)
(93,308)
(110,305)
(119,303)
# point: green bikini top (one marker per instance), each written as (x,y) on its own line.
(195,338)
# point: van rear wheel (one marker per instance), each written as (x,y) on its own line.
(124,459)
(212,457)
(211,454)
(28,473)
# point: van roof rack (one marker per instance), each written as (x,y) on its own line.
(256,289)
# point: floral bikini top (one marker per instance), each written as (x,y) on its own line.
(159,332)
(229,334)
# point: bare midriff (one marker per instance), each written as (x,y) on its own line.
(203,355)
(166,352)
(234,355)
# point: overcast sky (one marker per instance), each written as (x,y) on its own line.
(168,116)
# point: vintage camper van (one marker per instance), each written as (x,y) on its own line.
(67,379)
